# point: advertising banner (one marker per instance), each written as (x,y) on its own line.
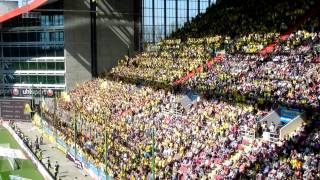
(95,172)
(62,145)
(12,153)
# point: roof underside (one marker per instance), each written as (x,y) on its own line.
(21,9)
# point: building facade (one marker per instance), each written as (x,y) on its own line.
(162,17)
(32,60)
(58,44)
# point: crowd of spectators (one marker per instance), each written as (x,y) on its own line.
(130,124)
(289,75)
(137,124)
(169,60)
(243,72)
(238,18)
(203,141)
(166,61)
(184,143)
(297,157)
(142,126)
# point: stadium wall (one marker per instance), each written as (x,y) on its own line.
(77,42)
(113,37)
(115,32)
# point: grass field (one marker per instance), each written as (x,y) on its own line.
(26,170)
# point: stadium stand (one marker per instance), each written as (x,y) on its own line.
(289,77)
(132,106)
(238,18)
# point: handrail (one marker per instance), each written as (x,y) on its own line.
(301,117)
(268,115)
(248,133)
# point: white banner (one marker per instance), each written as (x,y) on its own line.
(12,153)
(12,177)
(266,136)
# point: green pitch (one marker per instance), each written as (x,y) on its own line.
(26,168)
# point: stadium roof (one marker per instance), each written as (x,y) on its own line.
(12,8)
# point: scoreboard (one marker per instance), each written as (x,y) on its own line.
(13,109)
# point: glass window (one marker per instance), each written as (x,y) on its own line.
(42,79)
(12,66)
(11,52)
(34,79)
(41,51)
(24,65)
(193,8)
(52,36)
(23,37)
(51,66)
(59,51)
(59,65)
(32,36)
(33,65)
(173,15)
(148,17)
(11,79)
(61,20)
(32,51)
(51,80)
(24,79)
(24,52)
(43,20)
(60,79)
(42,66)
(148,3)
(61,36)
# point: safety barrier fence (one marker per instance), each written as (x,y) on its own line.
(33,158)
(95,172)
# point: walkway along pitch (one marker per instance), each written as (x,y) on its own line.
(68,169)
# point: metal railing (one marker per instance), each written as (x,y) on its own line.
(249,133)
(174,112)
(274,137)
